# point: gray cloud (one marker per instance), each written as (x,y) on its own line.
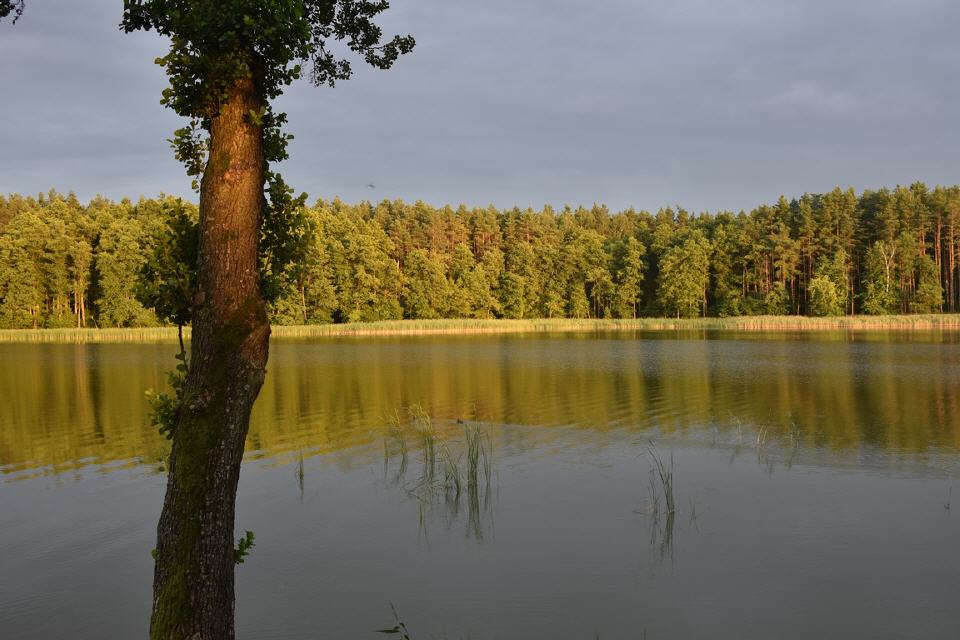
(706,103)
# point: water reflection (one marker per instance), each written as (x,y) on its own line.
(67,406)
(810,541)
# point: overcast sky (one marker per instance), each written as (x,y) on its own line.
(710,104)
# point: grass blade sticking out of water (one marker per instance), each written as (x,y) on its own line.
(399,629)
(300,474)
(664,473)
(479,460)
(662,501)
(423,425)
(448,473)
(396,438)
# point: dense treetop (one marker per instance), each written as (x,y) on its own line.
(104,263)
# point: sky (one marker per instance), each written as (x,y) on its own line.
(706,104)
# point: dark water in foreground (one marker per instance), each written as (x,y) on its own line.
(812,477)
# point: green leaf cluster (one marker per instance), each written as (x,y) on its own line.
(165,407)
(242,550)
(214,44)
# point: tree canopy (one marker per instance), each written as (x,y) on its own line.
(103,263)
(213,44)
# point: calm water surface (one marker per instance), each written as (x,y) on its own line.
(813,477)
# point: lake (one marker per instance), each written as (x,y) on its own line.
(814,484)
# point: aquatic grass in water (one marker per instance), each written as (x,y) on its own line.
(300,474)
(445,469)
(761,437)
(479,450)
(397,436)
(399,628)
(479,459)
(435,453)
(664,474)
(662,501)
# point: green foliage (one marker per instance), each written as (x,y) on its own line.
(168,277)
(777,300)
(425,291)
(165,407)
(629,270)
(365,276)
(285,236)
(880,294)
(63,263)
(118,261)
(212,45)
(684,275)
(828,289)
(190,146)
(22,249)
(825,300)
(929,295)
(242,550)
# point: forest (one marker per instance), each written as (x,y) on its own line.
(64,263)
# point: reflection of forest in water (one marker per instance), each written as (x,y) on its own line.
(69,405)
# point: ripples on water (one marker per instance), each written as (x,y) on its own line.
(813,477)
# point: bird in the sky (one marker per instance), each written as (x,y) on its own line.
(370,185)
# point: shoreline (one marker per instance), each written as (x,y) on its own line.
(745,324)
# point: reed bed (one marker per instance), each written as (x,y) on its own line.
(564,325)
(931,322)
(92,336)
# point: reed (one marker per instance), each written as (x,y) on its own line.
(449,467)
(300,475)
(761,437)
(397,437)
(662,502)
(399,629)
(92,336)
(563,325)
(929,322)
(664,473)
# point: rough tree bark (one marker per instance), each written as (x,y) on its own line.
(193,589)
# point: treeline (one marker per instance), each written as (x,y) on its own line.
(65,263)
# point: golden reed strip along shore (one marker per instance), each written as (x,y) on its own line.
(931,322)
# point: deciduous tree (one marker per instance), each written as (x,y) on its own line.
(227,61)
(684,274)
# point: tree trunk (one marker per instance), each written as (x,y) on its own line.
(951,280)
(193,595)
